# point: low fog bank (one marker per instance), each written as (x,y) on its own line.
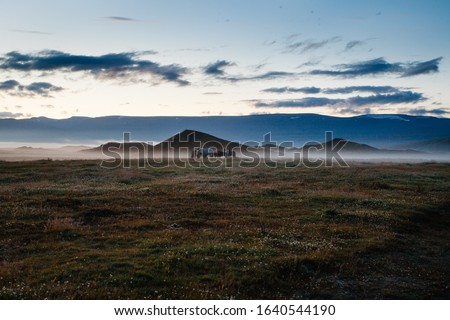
(393,156)
(33,154)
(247,154)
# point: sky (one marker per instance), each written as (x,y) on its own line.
(93,58)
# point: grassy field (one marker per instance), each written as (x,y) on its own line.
(72,230)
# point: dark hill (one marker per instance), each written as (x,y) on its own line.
(191,139)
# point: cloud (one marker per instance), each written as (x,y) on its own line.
(313,62)
(381,66)
(351,89)
(5,114)
(395,98)
(350,45)
(309,90)
(308,102)
(120,19)
(340,90)
(377,99)
(270,75)
(212,93)
(423,111)
(416,68)
(108,66)
(215,68)
(9,85)
(354,110)
(30,31)
(269,42)
(42,89)
(265,76)
(195,49)
(307,45)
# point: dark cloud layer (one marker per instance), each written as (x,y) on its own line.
(14,88)
(109,66)
(381,66)
(377,99)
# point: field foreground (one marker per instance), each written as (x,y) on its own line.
(73,230)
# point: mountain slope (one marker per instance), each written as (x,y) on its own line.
(435,145)
(379,131)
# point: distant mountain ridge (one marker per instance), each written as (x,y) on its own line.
(381,131)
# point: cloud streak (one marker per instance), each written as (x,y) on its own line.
(356,101)
(42,89)
(108,66)
(423,111)
(309,90)
(268,76)
(30,32)
(370,89)
(308,45)
(380,66)
(216,69)
(308,102)
(120,19)
(271,75)
(5,115)
(339,90)
(352,44)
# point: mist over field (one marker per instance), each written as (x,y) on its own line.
(395,145)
